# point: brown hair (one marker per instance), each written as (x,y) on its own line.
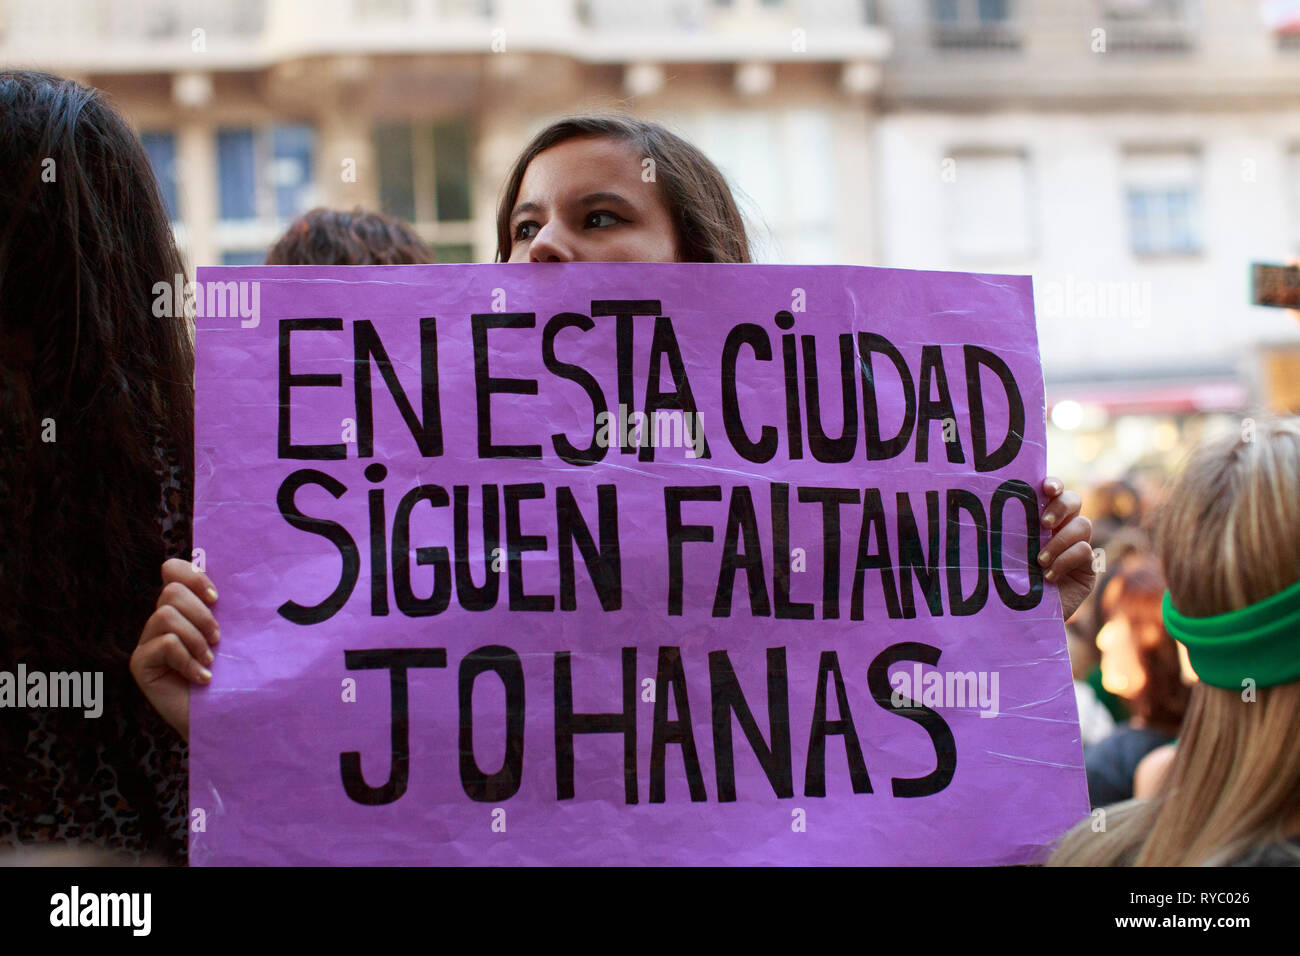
(1228,537)
(709,227)
(332,237)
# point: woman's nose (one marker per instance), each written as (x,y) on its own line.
(551,245)
(1104,637)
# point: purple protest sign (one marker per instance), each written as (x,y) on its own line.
(625,563)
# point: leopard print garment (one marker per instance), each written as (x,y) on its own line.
(127,798)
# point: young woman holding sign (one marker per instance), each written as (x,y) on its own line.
(590,189)
(581,191)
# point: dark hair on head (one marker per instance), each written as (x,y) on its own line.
(708,223)
(84,237)
(96,396)
(1136,592)
(332,237)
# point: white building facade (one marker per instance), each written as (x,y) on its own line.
(1134,156)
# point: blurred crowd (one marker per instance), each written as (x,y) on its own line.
(1132,680)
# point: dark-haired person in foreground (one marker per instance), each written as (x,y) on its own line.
(96,432)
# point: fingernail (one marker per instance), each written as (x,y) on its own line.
(1049,575)
(1049,520)
(216,635)
(208,658)
(205,674)
(212,595)
(1042,558)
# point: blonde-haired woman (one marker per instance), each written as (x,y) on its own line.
(1229,539)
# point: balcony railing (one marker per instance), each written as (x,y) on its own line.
(160,35)
(690,16)
(1001,35)
(1288,41)
(133,20)
(1152,37)
(1155,26)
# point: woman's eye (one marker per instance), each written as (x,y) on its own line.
(601,219)
(526,230)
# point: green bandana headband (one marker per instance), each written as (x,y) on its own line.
(1260,642)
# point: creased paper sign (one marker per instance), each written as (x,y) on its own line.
(625,564)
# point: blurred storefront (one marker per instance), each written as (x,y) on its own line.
(1279,375)
(1101,431)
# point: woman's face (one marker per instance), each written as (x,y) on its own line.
(1122,672)
(584,200)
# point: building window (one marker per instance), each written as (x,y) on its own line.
(161,150)
(237,171)
(1150,26)
(381,9)
(451,171)
(454,252)
(990,205)
(292,150)
(781,167)
(265,178)
(1162,199)
(425,178)
(170,19)
(973,25)
(394,155)
(244,257)
(284,152)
